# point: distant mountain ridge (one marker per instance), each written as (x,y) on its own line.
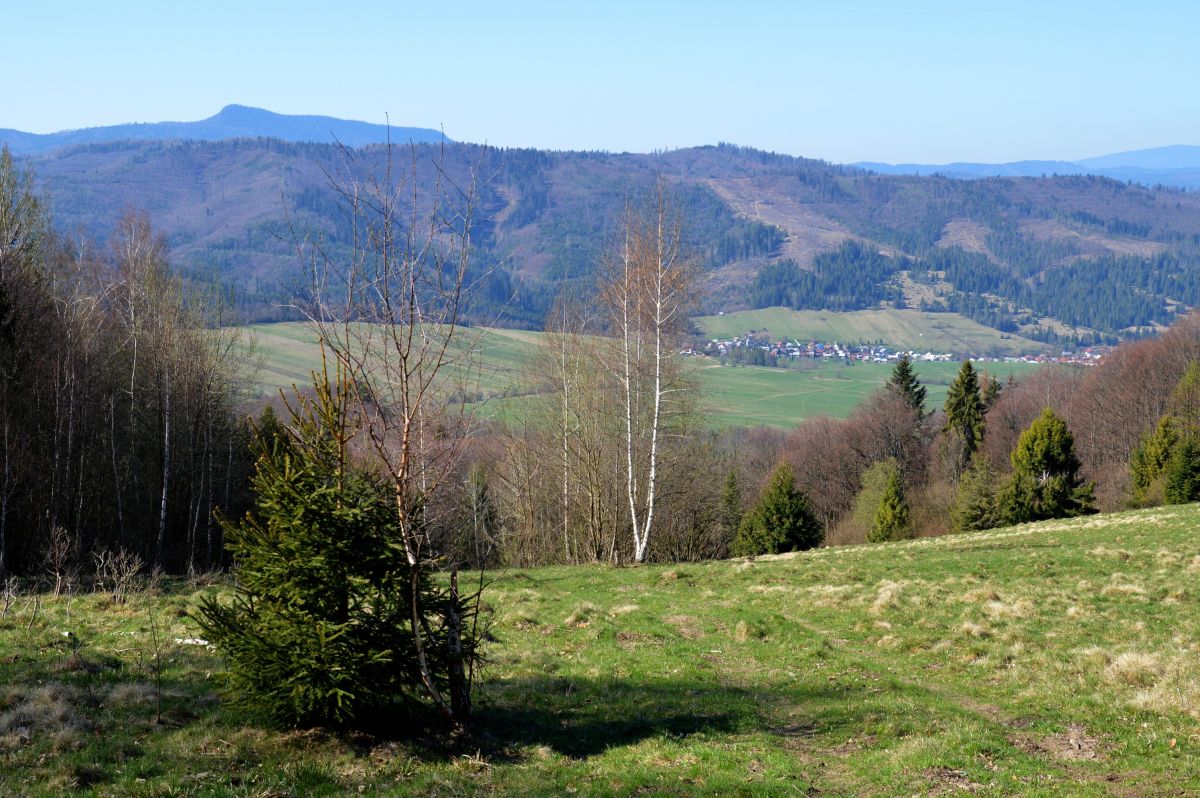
(1175,165)
(231,122)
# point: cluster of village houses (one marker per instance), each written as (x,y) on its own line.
(793,349)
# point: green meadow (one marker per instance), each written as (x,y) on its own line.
(495,370)
(1056,659)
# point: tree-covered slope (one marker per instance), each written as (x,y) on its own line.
(1046,256)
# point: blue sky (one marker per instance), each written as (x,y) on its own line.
(930,81)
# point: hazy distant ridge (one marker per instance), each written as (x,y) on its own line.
(1176,165)
(232,122)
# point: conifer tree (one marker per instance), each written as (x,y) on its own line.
(1150,460)
(904,383)
(319,629)
(964,412)
(731,504)
(1045,482)
(975,505)
(989,391)
(873,484)
(781,520)
(1184,404)
(1182,474)
(891,517)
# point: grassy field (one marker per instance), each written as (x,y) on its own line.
(733,396)
(906,329)
(749,396)
(289,352)
(1051,659)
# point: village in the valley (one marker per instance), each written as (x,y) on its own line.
(757,348)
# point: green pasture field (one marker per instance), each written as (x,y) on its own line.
(754,395)
(1056,659)
(905,329)
(743,395)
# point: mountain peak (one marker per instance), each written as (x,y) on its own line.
(231,122)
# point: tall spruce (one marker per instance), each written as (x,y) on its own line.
(1045,482)
(975,504)
(731,505)
(891,520)
(964,413)
(1149,462)
(1182,473)
(781,520)
(904,383)
(1184,404)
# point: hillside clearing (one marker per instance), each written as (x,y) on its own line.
(1051,659)
(905,329)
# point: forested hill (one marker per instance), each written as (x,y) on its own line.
(231,122)
(1055,256)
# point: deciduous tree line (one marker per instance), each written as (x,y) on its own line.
(118,395)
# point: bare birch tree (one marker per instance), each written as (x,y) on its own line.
(390,313)
(647,292)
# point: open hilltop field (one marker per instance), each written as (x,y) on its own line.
(904,329)
(733,396)
(1052,659)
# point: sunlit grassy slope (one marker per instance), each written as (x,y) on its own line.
(907,329)
(1052,659)
(732,396)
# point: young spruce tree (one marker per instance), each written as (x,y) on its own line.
(1182,473)
(781,520)
(964,413)
(1045,482)
(904,383)
(891,517)
(318,632)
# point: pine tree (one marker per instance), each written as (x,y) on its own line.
(975,505)
(731,505)
(781,520)
(904,383)
(891,517)
(873,484)
(1182,474)
(964,412)
(989,391)
(1184,404)
(319,630)
(1150,460)
(1045,481)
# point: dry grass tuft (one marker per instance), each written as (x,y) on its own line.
(1177,689)
(622,609)
(1118,588)
(686,625)
(974,630)
(1092,656)
(45,710)
(887,598)
(980,594)
(999,610)
(582,615)
(1120,554)
(1133,667)
(140,694)
(829,596)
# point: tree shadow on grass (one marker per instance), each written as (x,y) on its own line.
(580,718)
